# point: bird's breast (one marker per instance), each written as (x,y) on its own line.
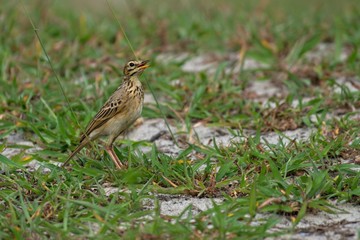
(125,118)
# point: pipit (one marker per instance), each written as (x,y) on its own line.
(118,113)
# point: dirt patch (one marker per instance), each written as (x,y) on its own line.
(345,224)
(174,205)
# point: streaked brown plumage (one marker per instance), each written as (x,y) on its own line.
(118,113)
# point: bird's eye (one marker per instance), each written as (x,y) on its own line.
(131,64)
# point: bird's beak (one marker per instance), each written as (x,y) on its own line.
(144,64)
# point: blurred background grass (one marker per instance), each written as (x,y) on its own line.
(182,25)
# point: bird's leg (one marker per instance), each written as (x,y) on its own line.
(114,157)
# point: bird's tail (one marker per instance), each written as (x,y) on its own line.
(77,149)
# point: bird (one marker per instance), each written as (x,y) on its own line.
(118,113)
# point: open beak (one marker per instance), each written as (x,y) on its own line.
(144,64)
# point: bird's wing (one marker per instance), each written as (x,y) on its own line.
(112,107)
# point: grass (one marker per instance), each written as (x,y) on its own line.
(257,178)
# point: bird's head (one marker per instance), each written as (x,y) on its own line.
(135,67)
